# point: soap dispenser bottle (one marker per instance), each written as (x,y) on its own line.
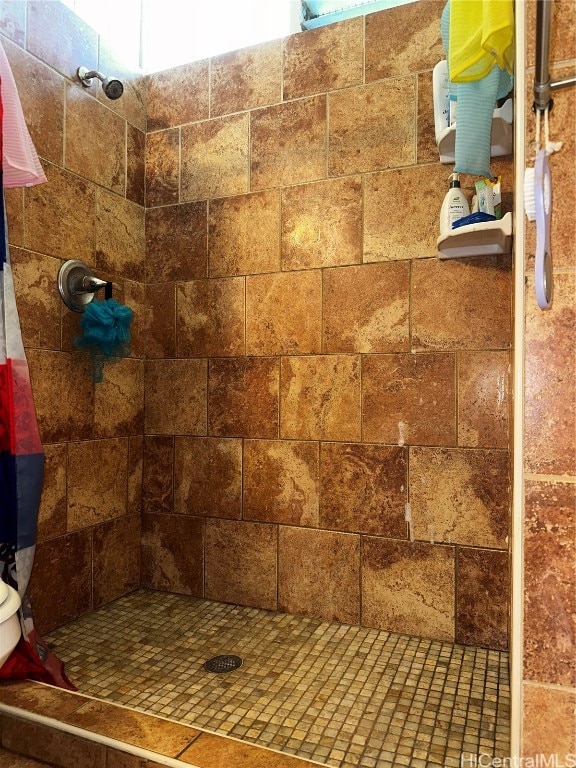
(454,207)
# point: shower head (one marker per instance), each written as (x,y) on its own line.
(111,86)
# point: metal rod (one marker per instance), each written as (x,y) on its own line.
(562,83)
(542,75)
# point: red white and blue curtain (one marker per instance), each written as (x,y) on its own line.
(21,453)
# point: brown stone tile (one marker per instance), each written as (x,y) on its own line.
(385,230)
(133,296)
(548,722)
(550,583)
(243,397)
(160,319)
(35,278)
(288,143)
(119,400)
(208,477)
(284,313)
(363,489)
(409,399)
(157,476)
(281,482)
(482,598)
(135,467)
(117,759)
(403,40)
(318,574)
(408,587)
(366,308)
(215,158)
(462,304)
(212,751)
(135,164)
(246,79)
(52,513)
(120,243)
(472,503)
(172,547)
(562,32)
(97,481)
(14,206)
(563,164)
(61,377)
(70,557)
(176,247)
(60,216)
(337,53)
(550,404)
(177,95)
(243,234)
(12,760)
(57,36)
(372,127)
(210,317)
(95,141)
(41,92)
(65,750)
(70,330)
(426,147)
(484,399)
(322,224)
(241,563)
(13,20)
(116,569)
(38,698)
(320,397)
(175,392)
(162,167)
(137,728)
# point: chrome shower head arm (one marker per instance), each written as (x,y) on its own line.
(86,75)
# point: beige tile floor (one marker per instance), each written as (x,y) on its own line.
(337,694)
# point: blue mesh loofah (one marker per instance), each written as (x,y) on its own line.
(105,333)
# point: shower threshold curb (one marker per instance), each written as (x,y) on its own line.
(117,744)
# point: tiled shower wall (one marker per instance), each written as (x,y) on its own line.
(550,431)
(92,209)
(311,366)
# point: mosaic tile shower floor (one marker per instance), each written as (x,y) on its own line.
(337,694)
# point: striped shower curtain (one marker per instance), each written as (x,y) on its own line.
(21,454)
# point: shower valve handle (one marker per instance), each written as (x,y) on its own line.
(88,284)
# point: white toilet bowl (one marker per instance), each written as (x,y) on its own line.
(9,622)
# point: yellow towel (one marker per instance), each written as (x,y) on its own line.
(481,35)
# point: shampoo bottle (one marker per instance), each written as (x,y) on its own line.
(454,207)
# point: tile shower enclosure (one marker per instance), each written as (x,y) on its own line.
(303,366)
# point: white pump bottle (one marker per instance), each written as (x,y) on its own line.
(454,207)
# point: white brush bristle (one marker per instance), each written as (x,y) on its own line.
(529,197)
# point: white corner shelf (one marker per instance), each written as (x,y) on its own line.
(501,138)
(488,238)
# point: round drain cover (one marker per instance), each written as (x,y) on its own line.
(225,663)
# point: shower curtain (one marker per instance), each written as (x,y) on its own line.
(21,454)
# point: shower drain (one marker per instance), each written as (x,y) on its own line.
(225,663)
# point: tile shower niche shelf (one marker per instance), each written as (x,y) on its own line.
(489,238)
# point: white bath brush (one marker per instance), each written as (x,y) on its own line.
(529,199)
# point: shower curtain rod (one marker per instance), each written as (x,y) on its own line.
(542,83)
